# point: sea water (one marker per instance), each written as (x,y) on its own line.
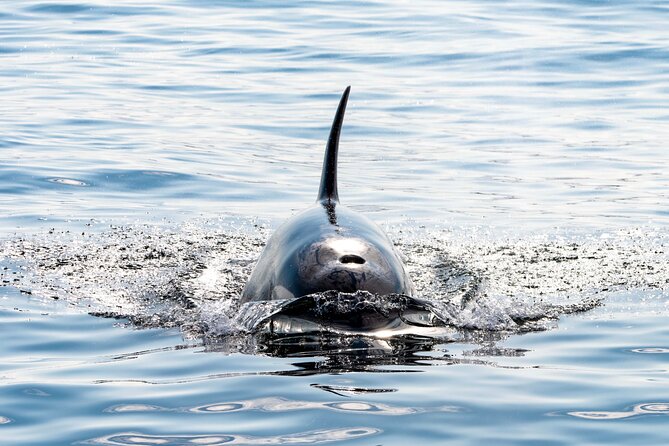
(514,151)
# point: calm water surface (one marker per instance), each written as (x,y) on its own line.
(150,147)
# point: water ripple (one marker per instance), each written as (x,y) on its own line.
(283,405)
(532,134)
(91,10)
(311,437)
(123,408)
(636,411)
(651,350)
(68,182)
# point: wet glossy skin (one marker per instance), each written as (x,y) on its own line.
(327,247)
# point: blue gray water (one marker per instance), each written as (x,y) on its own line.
(515,151)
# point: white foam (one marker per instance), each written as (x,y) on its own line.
(191,276)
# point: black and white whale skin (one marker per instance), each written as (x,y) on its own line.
(328,247)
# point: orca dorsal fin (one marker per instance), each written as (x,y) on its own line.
(328,191)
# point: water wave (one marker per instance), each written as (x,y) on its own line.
(191,277)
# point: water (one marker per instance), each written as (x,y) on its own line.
(515,152)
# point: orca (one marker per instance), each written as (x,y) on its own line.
(328,247)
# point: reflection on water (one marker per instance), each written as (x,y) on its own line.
(311,437)
(283,404)
(348,390)
(338,354)
(121,408)
(277,404)
(68,182)
(327,353)
(651,350)
(147,387)
(636,411)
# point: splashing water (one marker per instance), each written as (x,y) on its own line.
(191,276)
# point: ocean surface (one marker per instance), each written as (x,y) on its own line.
(515,152)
